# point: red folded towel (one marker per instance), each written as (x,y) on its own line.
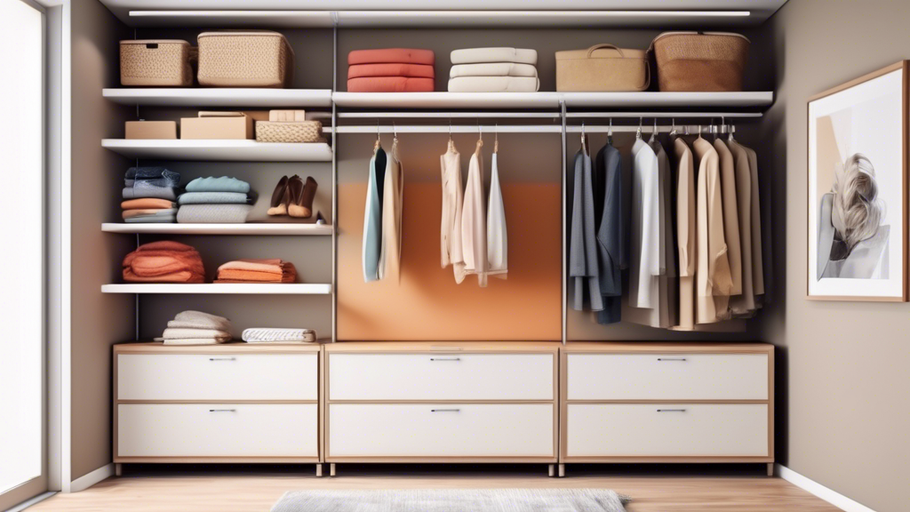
(390,84)
(393,69)
(392,55)
(163,262)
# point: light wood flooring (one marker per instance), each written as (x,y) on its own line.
(228,489)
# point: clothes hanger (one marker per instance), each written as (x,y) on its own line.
(394,133)
(673,127)
(378,139)
(641,121)
(730,133)
(496,140)
(699,132)
(479,136)
(654,133)
(584,146)
(610,133)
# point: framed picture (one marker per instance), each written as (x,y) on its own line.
(858,147)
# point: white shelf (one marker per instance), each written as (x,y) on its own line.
(220,97)
(262,229)
(550,100)
(220,150)
(220,288)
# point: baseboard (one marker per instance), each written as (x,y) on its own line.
(831,496)
(85,481)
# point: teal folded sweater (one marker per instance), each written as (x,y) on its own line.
(212,198)
(222,184)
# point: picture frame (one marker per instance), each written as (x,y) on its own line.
(857,176)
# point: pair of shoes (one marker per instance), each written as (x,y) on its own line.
(293,197)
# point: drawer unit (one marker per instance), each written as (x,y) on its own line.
(218,430)
(668,376)
(667,430)
(451,430)
(441,376)
(217,376)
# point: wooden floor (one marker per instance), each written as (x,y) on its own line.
(213,488)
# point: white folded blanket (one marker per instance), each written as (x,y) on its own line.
(198,320)
(494,84)
(493,69)
(179,333)
(276,335)
(192,341)
(476,55)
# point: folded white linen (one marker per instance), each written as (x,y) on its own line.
(198,320)
(477,55)
(192,341)
(494,84)
(179,333)
(277,335)
(493,69)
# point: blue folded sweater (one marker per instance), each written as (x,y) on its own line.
(221,184)
(212,198)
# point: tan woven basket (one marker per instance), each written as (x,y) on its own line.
(296,131)
(692,61)
(164,62)
(245,59)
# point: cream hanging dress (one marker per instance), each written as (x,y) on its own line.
(392,202)
(372,216)
(497,234)
(644,266)
(474,220)
(452,203)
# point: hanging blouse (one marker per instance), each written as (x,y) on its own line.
(685,231)
(583,266)
(497,234)
(743,304)
(474,221)
(712,274)
(758,272)
(392,202)
(644,263)
(731,229)
(669,304)
(612,252)
(372,217)
(452,203)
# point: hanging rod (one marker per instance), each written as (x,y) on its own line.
(646,129)
(486,129)
(449,115)
(662,115)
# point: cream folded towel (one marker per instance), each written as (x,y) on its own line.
(276,335)
(178,333)
(198,320)
(193,341)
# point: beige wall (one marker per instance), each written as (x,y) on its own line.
(843,367)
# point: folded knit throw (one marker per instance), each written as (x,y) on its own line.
(191,319)
(177,333)
(277,335)
(165,262)
(212,198)
(220,184)
(257,271)
(151,212)
(157,192)
(146,203)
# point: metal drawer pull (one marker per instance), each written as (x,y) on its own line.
(445,359)
(671,358)
(222,359)
(222,410)
(671,410)
(445,410)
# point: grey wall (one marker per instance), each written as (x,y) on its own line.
(842,367)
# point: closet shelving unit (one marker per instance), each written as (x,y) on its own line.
(221,288)
(251,228)
(219,150)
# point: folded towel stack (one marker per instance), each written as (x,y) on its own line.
(223,200)
(149,194)
(257,271)
(391,70)
(275,335)
(494,70)
(197,328)
(163,262)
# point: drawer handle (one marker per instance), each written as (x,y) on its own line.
(222,359)
(445,359)
(222,410)
(445,410)
(671,359)
(671,410)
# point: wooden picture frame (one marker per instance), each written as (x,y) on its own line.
(857,188)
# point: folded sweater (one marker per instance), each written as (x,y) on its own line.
(200,320)
(390,84)
(146,203)
(220,184)
(493,69)
(151,176)
(494,84)
(391,69)
(181,333)
(212,198)
(151,212)
(166,262)
(393,55)
(150,192)
(257,271)
(477,55)
(155,219)
(213,213)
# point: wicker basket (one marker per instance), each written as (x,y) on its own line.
(245,59)
(693,61)
(297,131)
(164,62)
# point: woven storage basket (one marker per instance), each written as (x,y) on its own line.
(693,61)
(245,59)
(283,131)
(156,62)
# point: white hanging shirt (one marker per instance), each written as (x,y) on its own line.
(497,235)
(452,203)
(392,203)
(645,258)
(474,221)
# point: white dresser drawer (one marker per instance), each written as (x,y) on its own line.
(453,430)
(217,430)
(667,376)
(441,376)
(667,430)
(217,376)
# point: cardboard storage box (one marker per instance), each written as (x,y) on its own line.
(287,115)
(151,129)
(217,125)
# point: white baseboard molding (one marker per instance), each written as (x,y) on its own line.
(830,495)
(85,481)
(28,503)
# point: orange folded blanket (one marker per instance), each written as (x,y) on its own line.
(257,271)
(390,84)
(391,69)
(147,203)
(393,55)
(164,262)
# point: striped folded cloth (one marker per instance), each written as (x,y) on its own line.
(276,335)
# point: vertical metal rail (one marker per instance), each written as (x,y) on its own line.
(334,179)
(562,111)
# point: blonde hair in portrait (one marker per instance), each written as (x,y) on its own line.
(858,210)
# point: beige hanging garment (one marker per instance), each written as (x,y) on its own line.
(497,233)
(452,202)
(392,202)
(758,270)
(731,228)
(744,304)
(474,220)
(712,274)
(686,222)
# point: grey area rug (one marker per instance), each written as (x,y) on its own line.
(453,500)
